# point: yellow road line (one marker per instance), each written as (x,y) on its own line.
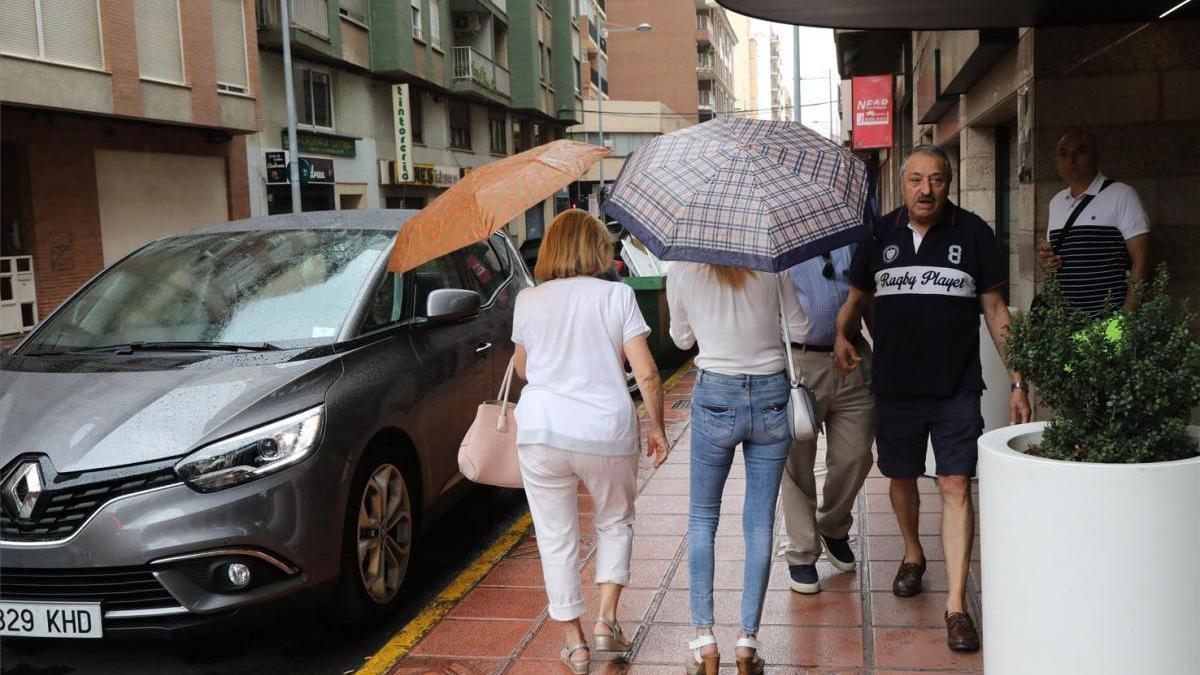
(402,643)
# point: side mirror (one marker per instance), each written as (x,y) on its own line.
(447,305)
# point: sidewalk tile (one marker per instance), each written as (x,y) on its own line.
(465,638)
(515,573)
(823,647)
(663,504)
(501,603)
(665,486)
(642,573)
(821,609)
(920,648)
(421,666)
(924,610)
(653,547)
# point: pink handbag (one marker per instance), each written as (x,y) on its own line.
(488,453)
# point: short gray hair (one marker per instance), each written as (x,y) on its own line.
(931,150)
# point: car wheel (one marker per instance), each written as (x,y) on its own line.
(377,547)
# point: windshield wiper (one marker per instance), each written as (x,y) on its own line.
(130,347)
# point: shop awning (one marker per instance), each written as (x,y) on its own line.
(957,14)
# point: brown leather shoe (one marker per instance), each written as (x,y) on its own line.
(960,632)
(908,579)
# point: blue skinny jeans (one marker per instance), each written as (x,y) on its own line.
(727,411)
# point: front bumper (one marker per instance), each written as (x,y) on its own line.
(156,558)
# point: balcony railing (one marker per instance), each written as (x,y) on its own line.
(311,15)
(471,65)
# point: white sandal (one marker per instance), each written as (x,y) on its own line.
(702,664)
(750,665)
(577,667)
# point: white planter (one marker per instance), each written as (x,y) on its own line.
(1087,568)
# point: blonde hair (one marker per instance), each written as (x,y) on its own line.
(576,245)
(730,277)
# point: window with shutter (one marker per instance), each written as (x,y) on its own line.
(354,9)
(229,46)
(65,31)
(19,18)
(160,55)
(435,23)
(416,20)
(71,31)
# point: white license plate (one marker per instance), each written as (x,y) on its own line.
(50,619)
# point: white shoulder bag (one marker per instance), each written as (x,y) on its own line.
(802,404)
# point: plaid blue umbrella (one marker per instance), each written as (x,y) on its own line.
(743,192)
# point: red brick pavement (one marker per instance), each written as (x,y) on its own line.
(854,625)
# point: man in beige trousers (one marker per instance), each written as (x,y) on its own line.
(846,406)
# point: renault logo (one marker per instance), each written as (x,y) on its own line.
(21,490)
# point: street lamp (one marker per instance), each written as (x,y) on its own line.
(605,29)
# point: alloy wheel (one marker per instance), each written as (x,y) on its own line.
(384,533)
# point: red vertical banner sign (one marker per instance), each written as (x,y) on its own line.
(872,96)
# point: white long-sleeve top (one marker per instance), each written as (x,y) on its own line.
(739,331)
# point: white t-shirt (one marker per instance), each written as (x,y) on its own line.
(574,331)
(738,330)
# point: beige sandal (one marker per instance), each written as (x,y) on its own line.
(702,664)
(577,667)
(610,643)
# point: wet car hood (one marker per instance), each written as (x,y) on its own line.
(107,418)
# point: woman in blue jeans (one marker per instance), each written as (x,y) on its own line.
(740,398)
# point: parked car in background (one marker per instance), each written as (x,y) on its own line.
(239,414)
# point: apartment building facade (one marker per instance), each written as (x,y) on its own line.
(781,94)
(480,80)
(122,121)
(686,61)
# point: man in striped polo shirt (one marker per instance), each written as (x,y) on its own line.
(1098,232)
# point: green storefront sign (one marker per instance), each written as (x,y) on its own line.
(322,144)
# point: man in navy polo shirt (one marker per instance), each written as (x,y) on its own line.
(926,273)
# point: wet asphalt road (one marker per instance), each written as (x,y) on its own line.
(294,643)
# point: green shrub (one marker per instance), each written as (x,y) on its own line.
(1121,389)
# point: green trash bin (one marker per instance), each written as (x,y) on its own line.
(651,293)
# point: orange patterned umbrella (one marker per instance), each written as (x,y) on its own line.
(487,198)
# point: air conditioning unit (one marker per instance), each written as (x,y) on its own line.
(467,22)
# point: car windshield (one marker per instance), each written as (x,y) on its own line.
(281,287)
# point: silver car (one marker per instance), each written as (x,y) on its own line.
(235,415)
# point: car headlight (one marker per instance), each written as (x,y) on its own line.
(253,453)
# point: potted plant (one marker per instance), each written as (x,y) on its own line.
(1090,522)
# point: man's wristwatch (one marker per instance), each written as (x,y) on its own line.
(1019,385)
